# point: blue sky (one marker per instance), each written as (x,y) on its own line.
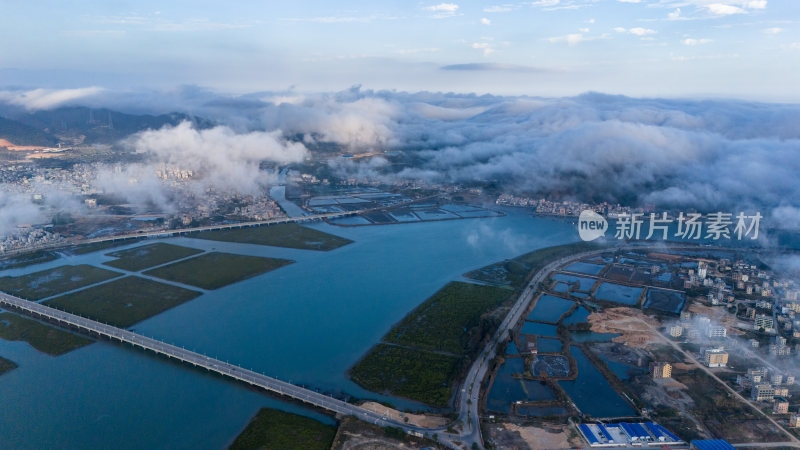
(667,48)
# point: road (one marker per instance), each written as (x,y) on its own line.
(467,399)
(218,227)
(225,369)
(730,390)
(469,395)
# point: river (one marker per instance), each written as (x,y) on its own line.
(307,323)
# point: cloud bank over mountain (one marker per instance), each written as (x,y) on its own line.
(673,153)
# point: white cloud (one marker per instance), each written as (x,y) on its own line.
(497,9)
(773,30)
(674,15)
(546,3)
(755,4)
(47,98)
(692,42)
(629,1)
(583,30)
(570,39)
(487,48)
(443,9)
(486,21)
(639,31)
(636,31)
(221,157)
(721,9)
(590,21)
(794,46)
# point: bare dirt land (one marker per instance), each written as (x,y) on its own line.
(354,434)
(509,435)
(11,146)
(630,323)
(421,420)
(719,315)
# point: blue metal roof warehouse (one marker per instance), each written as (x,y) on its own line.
(712,444)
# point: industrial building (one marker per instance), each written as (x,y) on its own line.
(624,434)
(711,444)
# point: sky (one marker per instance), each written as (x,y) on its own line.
(746,49)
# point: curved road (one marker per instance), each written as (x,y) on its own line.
(467,399)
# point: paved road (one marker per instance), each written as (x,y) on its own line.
(467,399)
(227,226)
(730,390)
(223,368)
(469,396)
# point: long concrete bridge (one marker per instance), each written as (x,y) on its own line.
(217,227)
(225,369)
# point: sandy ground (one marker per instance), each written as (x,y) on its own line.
(422,420)
(554,437)
(628,323)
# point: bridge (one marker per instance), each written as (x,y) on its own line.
(225,369)
(216,227)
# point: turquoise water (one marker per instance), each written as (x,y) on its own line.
(550,308)
(307,323)
(618,293)
(591,392)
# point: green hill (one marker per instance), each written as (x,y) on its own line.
(22,134)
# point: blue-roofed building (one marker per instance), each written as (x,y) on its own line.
(625,434)
(711,444)
(605,432)
(641,433)
(654,430)
(668,433)
(587,433)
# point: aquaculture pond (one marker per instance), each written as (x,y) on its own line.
(585,284)
(580,314)
(507,389)
(618,293)
(592,393)
(550,308)
(351,295)
(541,329)
(585,267)
(548,345)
